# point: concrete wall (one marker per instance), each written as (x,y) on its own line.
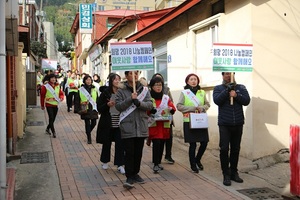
(275,97)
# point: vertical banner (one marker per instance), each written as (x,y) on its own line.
(295,159)
(85,18)
(232,57)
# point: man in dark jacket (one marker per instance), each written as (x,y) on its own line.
(230,121)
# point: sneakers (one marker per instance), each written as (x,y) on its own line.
(227,181)
(160,167)
(47,131)
(104,166)
(137,179)
(236,178)
(129,183)
(169,160)
(121,169)
(199,165)
(156,169)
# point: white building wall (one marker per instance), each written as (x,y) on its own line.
(275,97)
(50,40)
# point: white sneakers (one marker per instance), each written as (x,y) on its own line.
(104,166)
(121,170)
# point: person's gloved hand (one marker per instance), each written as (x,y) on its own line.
(153,111)
(172,112)
(136,102)
(230,86)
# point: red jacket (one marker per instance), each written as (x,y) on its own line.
(43,94)
(159,131)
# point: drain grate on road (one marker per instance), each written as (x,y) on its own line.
(35,123)
(34,157)
(260,193)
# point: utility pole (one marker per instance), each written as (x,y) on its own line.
(40,21)
(3,186)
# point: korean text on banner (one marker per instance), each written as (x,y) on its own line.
(131,56)
(232,57)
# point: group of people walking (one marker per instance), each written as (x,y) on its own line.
(132,113)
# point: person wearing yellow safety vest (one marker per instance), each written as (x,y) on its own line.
(187,103)
(161,115)
(72,92)
(87,104)
(51,95)
(39,82)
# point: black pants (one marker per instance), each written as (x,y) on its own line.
(89,125)
(119,148)
(73,96)
(169,144)
(192,152)
(230,138)
(133,155)
(157,150)
(52,112)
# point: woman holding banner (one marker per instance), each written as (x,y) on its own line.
(132,101)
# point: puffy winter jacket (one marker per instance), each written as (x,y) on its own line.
(231,115)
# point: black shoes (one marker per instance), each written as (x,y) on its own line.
(129,183)
(137,179)
(236,178)
(169,160)
(227,181)
(47,132)
(54,135)
(89,139)
(199,165)
(194,168)
(156,169)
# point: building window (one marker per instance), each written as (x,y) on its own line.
(117,7)
(100,7)
(128,7)
(146,8)
(218,7)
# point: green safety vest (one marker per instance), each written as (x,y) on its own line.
(49,98)
(84,100)
(187,102)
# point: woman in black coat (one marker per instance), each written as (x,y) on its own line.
(108,127)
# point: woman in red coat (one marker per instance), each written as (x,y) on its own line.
(51,95)
(159,123)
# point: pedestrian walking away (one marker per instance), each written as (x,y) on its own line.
(87,104)
(159,125)
(51,95)
(133,103)
(169,141)
(72,96)
(230,122)
(108,130)
(193,99)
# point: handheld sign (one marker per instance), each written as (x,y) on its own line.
(131,56)
(232,58)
